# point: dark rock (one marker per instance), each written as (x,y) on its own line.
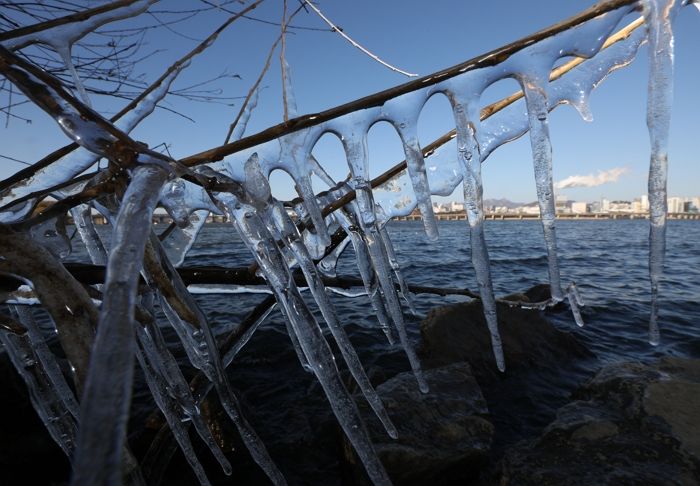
(24,440)
(543,364)
(631,424)
(443,435)
(459,333)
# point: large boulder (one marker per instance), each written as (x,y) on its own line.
(444,435)
(458,333)
(630,424)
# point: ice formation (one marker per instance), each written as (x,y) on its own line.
(233,179)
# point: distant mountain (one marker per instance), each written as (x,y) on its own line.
(499,203)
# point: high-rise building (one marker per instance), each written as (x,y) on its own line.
(676,205)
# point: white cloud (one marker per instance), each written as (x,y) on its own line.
(591,180)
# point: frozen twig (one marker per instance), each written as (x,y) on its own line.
(354,43)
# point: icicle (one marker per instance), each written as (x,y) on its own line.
(82,218)
(419,177)
(289,97)
(64,51)
(577,295)
(329,264)
(172,414)
(658,16)
(470,162)
(48,404)
(240,128)
(369,277)
(573,304)
(243,340)
(163,363)
(394,263)
(314,345)
(356,154)
(537,109)
(48,360)
(275,215)
(200,345)
(69,33)
(180,241)
(80,159)
(107,394)
(51,234)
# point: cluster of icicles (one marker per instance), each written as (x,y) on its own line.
(88,431)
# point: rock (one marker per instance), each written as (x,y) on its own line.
(24,440)
(444,435)
(631,424)
(459,333)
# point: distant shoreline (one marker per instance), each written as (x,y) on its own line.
(461,216)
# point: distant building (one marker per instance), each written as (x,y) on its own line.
(676,205)
(530,209)
(644,202)
(579,207)
(454,207)
(604,205)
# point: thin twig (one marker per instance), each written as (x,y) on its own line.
(354,43)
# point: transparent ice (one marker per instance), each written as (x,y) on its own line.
(280,244)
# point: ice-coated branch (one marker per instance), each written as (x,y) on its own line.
(489,59)
(70,28)
(68,303)
(107,395)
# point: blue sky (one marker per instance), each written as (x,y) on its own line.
(420,37)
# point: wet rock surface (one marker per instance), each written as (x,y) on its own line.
(630,424)
(25,442)
(444,435)
(544,364)
(459,333)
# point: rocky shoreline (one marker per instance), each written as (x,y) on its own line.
(550,419)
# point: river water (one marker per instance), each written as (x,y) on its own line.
(607,259)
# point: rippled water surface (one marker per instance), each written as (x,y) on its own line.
(607,259)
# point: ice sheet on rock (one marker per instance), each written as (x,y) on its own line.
(658,14)
(255,235)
